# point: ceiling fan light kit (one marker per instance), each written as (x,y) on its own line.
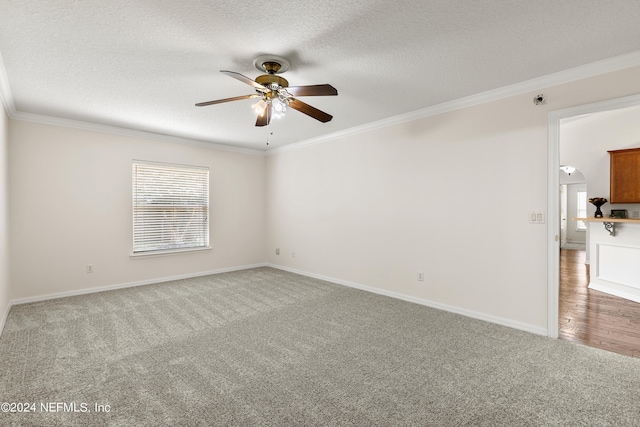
(274,93)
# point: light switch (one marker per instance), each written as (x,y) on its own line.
(536,218)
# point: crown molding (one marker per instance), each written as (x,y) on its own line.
(116,130)
(578,73)
(590,70)
(5,91)
(9,106)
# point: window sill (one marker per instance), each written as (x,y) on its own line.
(167,252)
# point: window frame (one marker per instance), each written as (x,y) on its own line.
(581,213)
(200,200)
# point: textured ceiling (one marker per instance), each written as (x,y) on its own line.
(144,64)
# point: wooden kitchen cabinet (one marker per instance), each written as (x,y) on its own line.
(625,176)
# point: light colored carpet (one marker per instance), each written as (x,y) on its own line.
(269,348)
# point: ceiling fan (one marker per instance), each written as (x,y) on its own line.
(274,93)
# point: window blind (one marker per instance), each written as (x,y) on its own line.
(170,207)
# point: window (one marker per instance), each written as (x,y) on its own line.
(170,207)
(581,210)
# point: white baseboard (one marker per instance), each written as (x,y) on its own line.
(130,284)
(433,304)
(469,313)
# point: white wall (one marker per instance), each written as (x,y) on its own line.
(430,195)
(4,218)
(70,205)
(584,144)
(372,209)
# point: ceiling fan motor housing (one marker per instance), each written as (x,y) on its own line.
(269,79)
(272,81)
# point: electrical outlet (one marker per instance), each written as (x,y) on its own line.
(635,214)
(420,277)
(293,254)
(277,251)
(89,268)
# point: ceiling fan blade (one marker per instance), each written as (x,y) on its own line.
(220,101)
(265,118)
(307,109)
(312,90)
(245,79)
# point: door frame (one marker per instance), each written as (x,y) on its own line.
(553,197)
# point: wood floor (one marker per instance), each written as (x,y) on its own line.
(595,318)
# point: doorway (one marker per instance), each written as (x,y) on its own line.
(553,199)
(573,204)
